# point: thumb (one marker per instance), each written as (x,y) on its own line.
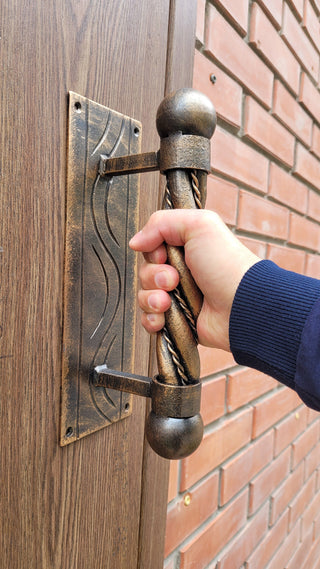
(170,226)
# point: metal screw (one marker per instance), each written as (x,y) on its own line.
(213,78)
(187,500)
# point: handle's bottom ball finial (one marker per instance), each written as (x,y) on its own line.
(174,438)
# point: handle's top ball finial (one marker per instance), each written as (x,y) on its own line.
(188,111)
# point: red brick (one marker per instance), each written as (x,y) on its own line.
(173,480)
(309,97)
(314,205)
(245,542)
(307,166)
(316,528)
(273,9)
(266,40)
(213,399)
(312,415)
(286,109)
(225,94)
(311,23)
(245,385)
(310,514)
(299,43)
(268,480)
(228,437)
(303,445)
(286,189)
(267,132)
(313,266)
(297,6)
(301,501)
(201,9)
(285,493)
(284,553)
(239,60)
(212,538)
(269,544)
(235,159)
(258,215)
(236,11)
(315,147)
(289,429)
(273,408)
(304,232)
(312,560)
(257,247)
(183,519)
(238,472)
(214,361)
(312,461)
(289,259)
(300,553)
(222,197)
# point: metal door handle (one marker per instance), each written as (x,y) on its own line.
(185,121)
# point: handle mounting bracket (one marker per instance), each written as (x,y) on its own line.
(100,269)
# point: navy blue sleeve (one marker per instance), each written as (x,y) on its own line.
(275,327)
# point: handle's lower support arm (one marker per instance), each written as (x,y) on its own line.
(174,422)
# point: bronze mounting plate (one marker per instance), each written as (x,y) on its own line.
(100,271)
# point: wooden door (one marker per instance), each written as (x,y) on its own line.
(100,502)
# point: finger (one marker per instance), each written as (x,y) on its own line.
(163,277)
(159,255)
(152,322)
(154,301)
(163,226)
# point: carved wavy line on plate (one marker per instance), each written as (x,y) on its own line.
(117,273)
(118,140)
(107,292)
(102,392)
(112,260)
(104,135)
(106,215)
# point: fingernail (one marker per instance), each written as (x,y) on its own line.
(134,239)
(153,301)
(161,279)
(151,318)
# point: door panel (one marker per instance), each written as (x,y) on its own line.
(77,507)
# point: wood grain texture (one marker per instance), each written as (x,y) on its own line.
(76,507)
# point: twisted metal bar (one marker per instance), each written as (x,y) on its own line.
(177,353)
(185,123)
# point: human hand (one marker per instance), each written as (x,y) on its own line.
(215,257)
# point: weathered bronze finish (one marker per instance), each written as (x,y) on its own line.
(130,164)
(177,151)
(185,122)
(122,381)
(177,401)
(186,115)
(100,271)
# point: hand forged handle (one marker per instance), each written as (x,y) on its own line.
(185,121)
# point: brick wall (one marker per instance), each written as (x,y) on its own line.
(249,497)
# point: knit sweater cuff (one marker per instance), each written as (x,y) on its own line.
(268,315)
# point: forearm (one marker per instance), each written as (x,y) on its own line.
(273,322)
